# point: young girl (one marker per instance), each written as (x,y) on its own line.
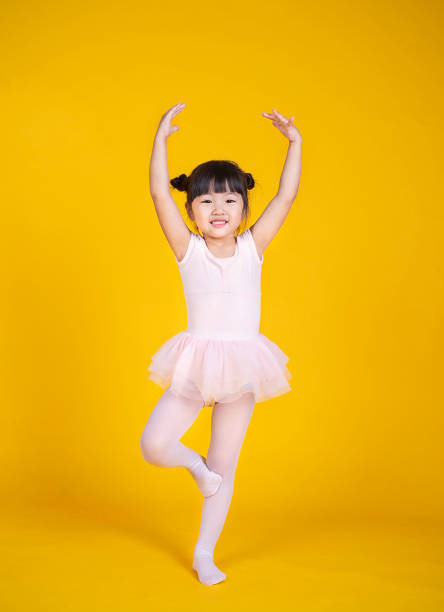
(221,360)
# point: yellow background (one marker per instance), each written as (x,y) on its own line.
(352,292)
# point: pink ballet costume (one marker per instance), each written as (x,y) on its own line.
(221,354)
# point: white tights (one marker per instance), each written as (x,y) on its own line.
(170,419)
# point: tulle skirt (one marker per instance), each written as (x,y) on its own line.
(220,370)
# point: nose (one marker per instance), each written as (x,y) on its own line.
(220,207)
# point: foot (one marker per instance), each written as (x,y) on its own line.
(207,480)
(207,571)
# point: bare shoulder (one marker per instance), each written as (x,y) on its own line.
(260,248)
(179,240)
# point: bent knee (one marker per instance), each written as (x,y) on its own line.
(153,447)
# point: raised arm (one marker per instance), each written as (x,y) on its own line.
(171,221)
(267,225)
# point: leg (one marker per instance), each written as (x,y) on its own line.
(228,428)
(171,417)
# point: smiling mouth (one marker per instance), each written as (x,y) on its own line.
(218,222)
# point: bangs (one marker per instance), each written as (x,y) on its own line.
(217,176)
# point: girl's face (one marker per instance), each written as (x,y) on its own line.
(211,207)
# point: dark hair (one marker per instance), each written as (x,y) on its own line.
(215,175)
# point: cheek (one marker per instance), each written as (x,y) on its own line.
(201,212)
(205,211)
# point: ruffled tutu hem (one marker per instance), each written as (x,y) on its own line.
(220,370)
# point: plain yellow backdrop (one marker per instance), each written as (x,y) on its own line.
(351,285)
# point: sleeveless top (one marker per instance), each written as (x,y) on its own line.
(223,295)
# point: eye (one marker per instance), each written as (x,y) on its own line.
(205,201)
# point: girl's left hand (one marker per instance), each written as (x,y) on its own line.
(284,125)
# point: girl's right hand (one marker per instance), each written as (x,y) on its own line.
(165,128)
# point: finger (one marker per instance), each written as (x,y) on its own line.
(177,110)
(177,107)
(172,108)
(281,117)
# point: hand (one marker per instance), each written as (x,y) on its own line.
(165,128)
(284,125)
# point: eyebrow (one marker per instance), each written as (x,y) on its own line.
(226,193)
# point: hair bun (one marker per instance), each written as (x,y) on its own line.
(249,180)
(180,182)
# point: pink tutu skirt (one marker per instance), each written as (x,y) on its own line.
(219,370)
